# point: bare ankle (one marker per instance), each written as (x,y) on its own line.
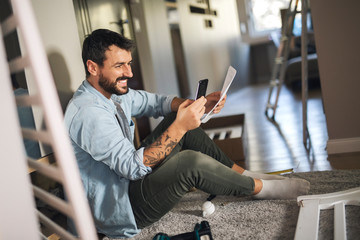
(237,168)
(258,186)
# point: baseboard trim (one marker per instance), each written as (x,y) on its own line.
(344,145)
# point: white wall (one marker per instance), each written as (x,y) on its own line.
(337,36)
(153,41)
(210,51)
(58,29)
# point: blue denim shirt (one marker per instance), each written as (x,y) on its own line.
(106,158)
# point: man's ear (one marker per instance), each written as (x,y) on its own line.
(92,67)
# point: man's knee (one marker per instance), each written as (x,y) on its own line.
(192,160)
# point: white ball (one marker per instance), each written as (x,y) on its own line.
(208,208)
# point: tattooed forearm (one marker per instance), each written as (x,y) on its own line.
(150,161)
(159,149)
(170,146)
(167,137)
(157,143)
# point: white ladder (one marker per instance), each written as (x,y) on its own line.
(279,68)
(282,56)
(309,215)
(15,182)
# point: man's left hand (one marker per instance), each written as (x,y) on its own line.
(212,99)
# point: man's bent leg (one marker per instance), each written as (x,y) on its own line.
(156,194)
(195,139)
(198,140)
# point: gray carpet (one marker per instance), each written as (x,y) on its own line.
(245,218)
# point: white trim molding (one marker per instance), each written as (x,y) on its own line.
(343,145)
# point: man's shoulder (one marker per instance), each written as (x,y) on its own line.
(84,99)
(89,102)
(85,104)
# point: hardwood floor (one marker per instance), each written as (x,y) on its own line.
(276,146)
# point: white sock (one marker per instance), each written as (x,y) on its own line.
(289,188)
(262,175)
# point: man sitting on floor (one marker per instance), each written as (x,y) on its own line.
(130,188)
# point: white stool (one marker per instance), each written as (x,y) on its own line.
(310,206)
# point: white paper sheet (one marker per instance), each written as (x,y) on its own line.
(228,80)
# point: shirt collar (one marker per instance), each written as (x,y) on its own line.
(107,102)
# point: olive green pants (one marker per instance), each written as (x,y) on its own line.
(197,162)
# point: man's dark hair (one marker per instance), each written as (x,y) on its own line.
(96,43)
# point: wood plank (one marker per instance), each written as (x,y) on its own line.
(273,146)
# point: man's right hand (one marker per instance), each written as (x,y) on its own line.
(187,118)
(189,114)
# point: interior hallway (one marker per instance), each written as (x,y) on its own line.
(279,146)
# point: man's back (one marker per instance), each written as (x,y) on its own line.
(90,120)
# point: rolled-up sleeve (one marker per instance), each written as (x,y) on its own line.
(138,103)
(97,132)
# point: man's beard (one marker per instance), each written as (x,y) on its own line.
(111,87)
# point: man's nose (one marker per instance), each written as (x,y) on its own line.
(127,71)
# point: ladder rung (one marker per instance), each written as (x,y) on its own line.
(32,134)
(18,64)
(290,13)
(222,135)
(53,201)
(279,60)
(45,169)
(274,82)
(284,38)
(27,100)
(54,227)
(9,25)
(211,135)
(270,105)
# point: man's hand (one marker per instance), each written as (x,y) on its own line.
(212,99)
(189,114)
(187,118)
